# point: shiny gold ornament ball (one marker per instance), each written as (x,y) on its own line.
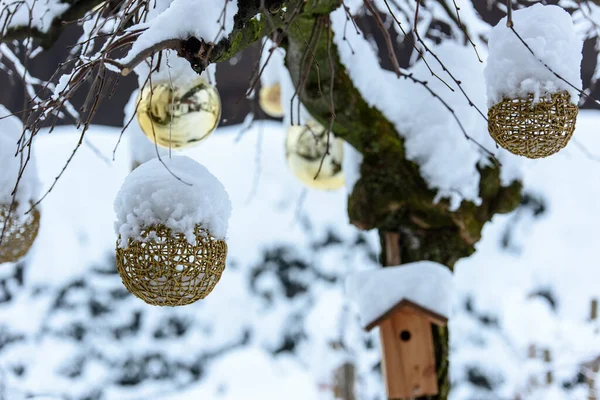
(18,235)
(164,269)
(305,146)
(179,116)
(533,130)
(269,99)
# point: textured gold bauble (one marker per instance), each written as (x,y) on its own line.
(533,130)
(305,146)
(18,235)
(269,99)
(164,269)
(179,116)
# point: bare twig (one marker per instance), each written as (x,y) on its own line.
(410,76)
(173,44)
(509,18)
(446,70)
(331,101)
(464,29)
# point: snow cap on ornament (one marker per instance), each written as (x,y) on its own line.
(171,221)
(532,111)
(20,229)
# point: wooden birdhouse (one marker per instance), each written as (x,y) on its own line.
(404,302)
(408,357)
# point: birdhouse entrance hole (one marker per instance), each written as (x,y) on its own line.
(405,336)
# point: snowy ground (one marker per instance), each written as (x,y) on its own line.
(277,322)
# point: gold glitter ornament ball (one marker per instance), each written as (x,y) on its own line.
(305,146)
(164,269)
(533,130)
(179,116)
(19,235)
(269,99)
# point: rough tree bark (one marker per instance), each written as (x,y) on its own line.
(391,195)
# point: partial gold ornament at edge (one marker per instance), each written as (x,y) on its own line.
(269,99)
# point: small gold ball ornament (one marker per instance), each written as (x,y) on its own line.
(269,99)
(533,130)
(164,269)
(19,234)
(305,146)
(179,116)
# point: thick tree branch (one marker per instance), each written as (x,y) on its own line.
(391,195)
(391,191)
(200,53)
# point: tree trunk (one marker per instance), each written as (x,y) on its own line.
(391,195)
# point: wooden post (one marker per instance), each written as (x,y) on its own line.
(532,351)
(591,381)
(344,379)
(392,249)
(595,365)
(533,379)
(548,360)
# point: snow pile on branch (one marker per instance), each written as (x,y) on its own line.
(173,70)
(11,129)
(513,72)
(207,20)
(433,138)
(180,195)
(425,283)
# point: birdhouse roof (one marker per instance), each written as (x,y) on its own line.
(426,313)
(426,287)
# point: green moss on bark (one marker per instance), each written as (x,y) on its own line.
(391,195)
(239,39)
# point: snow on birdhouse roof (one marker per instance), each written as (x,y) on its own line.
(425,285)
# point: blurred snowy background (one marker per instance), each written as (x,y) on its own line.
(277,324)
